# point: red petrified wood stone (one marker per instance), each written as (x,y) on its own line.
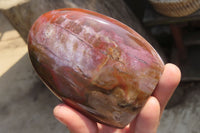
(94,63)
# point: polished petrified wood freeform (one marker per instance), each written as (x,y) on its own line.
(94,63)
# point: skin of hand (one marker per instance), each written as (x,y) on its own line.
(147,120)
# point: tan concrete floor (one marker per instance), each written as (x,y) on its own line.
(26,104)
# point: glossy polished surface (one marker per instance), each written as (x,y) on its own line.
(94,63)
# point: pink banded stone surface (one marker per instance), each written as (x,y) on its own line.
(94,63)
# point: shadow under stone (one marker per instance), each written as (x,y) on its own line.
(26,104)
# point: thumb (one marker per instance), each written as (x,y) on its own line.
(75,121)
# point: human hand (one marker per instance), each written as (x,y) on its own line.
(147,120)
